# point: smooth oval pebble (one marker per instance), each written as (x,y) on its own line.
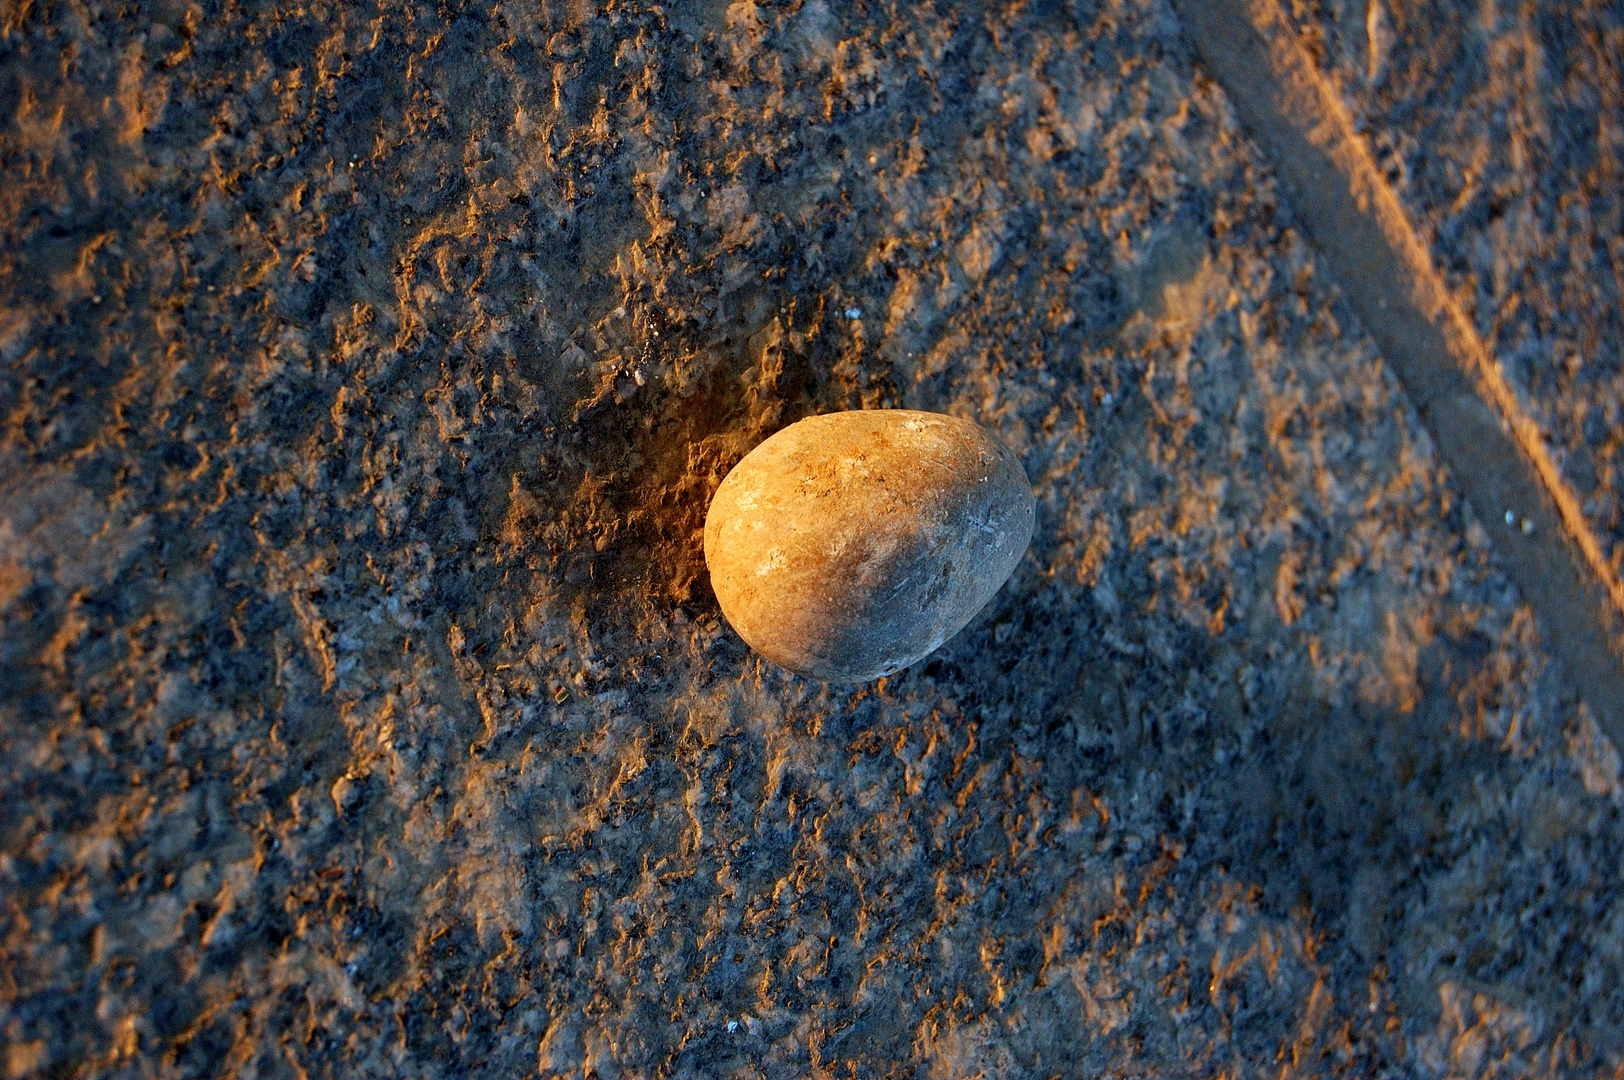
(851,545)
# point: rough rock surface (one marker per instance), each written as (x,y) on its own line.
(851,545)
(1502,128)
(365,711)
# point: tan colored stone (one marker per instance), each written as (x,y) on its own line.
(851,545)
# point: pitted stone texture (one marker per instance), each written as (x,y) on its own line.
(852,545)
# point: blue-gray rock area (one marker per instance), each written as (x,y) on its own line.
(1501,126)
(364,708)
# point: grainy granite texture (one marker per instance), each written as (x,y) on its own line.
(365,709)
(1502,127)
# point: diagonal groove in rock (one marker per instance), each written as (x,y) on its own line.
(1354,218)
